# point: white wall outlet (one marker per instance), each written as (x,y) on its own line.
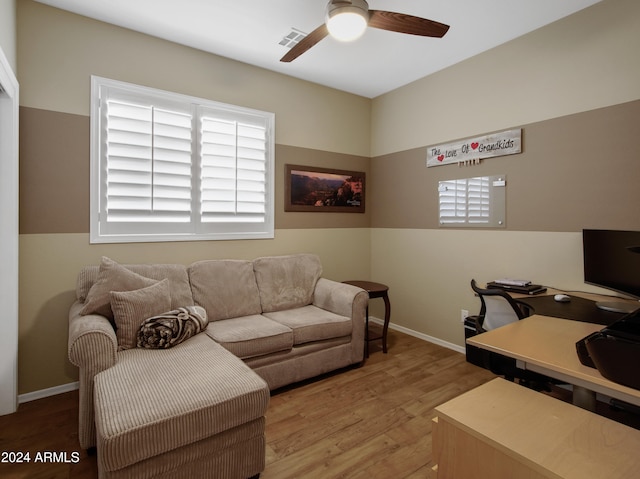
(463,315)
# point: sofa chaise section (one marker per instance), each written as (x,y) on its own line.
(160,411)
(92,343)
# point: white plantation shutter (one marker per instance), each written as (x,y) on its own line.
(233,171)
(168,167)
(148,164)
(472,202)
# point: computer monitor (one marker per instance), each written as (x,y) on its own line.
(612,261)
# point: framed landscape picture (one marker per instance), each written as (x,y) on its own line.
(314,189)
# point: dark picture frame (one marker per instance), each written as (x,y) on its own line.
(312,189)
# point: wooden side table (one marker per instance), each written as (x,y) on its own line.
(375,290)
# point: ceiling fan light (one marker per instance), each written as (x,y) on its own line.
(346,21)
(346,26)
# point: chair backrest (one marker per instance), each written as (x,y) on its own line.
(498,307)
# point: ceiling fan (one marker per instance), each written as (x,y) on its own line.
(347,19)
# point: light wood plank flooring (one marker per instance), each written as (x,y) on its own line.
(368,422)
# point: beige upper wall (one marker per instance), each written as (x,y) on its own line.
(8,32)
(59,51)
(585,61)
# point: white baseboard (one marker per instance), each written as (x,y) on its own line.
(43,393)
(416,334)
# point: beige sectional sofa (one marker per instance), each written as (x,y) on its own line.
(196,409)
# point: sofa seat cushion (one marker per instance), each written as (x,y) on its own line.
(251,336)
(154,401)
(311,323)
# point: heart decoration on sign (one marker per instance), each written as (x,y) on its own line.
(440,157)
(474,145)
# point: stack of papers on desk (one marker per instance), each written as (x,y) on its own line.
(517,286)
(512,282)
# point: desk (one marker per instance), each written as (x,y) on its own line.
(579,309)
(546,345)
(503,431)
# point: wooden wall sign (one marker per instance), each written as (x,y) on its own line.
(504,143)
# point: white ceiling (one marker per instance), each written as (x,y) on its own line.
(250,31)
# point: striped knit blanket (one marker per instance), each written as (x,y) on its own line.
(171,328)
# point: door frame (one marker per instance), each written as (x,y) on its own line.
(9,236)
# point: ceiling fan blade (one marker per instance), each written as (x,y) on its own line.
(402,23)
(306,43)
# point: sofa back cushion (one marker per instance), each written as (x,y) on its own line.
(176,274)
(287,282)
(225,288)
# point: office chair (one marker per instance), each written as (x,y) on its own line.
(498,309)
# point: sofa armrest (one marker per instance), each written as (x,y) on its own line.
(92,347)
(92,340)
(339,298)
(345,300)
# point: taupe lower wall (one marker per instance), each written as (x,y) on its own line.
(574,172)
(54,177)
(54,172)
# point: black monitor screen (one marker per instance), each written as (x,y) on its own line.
(612,260)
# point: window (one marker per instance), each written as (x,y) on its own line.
(169,167)
(473,202)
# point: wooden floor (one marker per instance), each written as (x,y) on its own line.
(362,423)
(366,422)
(369,422)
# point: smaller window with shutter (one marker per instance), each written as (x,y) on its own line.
(170,167)
(473,202)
